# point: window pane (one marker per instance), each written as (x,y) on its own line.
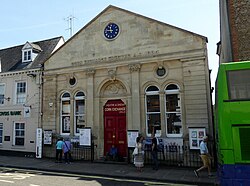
(152,89)
(174,124)
(80,123)
(80,104)
(153,103)
(1,99)
(239,84)
(66,95)
(2,90)
(19,133)
(66,107)
(154,122)
(80,94)
(172,87)
(66,124)
(172,103)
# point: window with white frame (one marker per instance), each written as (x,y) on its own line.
(26,55)
(20,92)
(1,133)
(153,113)
(173,110)
(2,91)
(65,113)
(79,111)
(19,134)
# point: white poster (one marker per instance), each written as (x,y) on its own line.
(132,135)
(195,137)
(47,137)
(39,137)
(85,136)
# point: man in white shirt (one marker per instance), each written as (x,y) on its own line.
(206,158)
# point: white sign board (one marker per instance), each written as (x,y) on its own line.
(47,137)
(196,135)
(39,137)
(85,136)
(132,135)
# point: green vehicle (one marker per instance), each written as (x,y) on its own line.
(232,123)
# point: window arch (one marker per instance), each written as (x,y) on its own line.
(79,111)
(153,113)
(65,113)
(173,110)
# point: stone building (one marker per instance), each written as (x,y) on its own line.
(20,94)
(123,71)
(234,31)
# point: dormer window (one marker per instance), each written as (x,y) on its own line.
(30,51)
(27,56)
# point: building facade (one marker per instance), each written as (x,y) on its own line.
(234,31)
(123,71)
(20,94)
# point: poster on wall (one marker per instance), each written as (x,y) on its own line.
(195,137)
(39,137)
(47,137)
(132,135)
(85,136)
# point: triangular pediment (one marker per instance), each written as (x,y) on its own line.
(27,46)
(138,37)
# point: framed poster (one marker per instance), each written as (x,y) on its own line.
(85,136)
(195,137)
(47,137)
(132,135)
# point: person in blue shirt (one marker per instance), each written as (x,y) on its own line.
(59,150)
(113,153)
(67,150)
(206,158)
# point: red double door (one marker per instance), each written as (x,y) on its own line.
(115,132)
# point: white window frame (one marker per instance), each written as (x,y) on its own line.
(76,114)
(21,96)
(2,94)
(179,111)
(65,116)
(147,93)
(27,55)
(1,133)
(22,133)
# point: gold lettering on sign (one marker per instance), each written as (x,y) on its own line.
(116,58)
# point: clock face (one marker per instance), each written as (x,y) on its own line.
(111,31)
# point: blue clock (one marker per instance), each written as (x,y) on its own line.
(111,31)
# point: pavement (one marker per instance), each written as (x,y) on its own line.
(109,169)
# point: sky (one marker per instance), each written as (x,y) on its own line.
(30,20)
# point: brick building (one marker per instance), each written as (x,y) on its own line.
(234,43)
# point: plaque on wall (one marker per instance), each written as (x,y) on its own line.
(6,138)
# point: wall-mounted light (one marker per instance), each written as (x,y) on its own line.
(8,98)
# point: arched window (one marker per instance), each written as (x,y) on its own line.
(79,111)
(173,110)
(153,113)
(65,113)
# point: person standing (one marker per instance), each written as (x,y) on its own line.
(206,158)
(139,157)
(59,149)
(67,150)
(154,152)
